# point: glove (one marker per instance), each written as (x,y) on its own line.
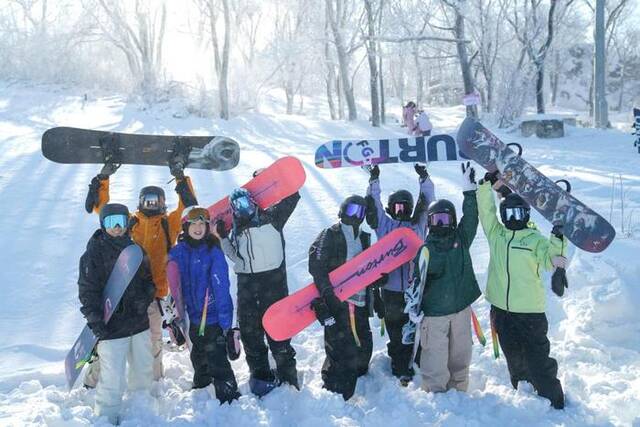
(107,170)
(331,300)
(221,229)
(371,212)
(468,177)
(184,192)
(557,231)
(99,329)
(491,177)
(378,304)
(323,314)
(559,262)
(421,170)
(93,196)
(559,281)
(177,170)
(374,173)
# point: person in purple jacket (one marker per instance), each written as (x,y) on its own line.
(399,212)
(198,277)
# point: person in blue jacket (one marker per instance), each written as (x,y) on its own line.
(198,276)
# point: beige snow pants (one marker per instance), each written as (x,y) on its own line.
(446,351)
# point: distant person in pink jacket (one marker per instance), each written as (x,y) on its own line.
(424,126)
(409,116)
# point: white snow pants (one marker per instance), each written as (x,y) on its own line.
(446,351)
(114,355)
(155,328)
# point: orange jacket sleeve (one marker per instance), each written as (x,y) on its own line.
(175,225)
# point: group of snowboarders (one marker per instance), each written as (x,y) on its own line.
(416,120)
(186,253)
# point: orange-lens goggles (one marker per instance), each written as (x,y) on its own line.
(196,214)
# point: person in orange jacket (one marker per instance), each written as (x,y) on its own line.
(156,231)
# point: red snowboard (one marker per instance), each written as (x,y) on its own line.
(281,179)
(292,314)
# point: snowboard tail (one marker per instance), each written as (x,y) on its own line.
(581,225)
(292,314)
(421,149)
(283,178)
(74,145)
(123,272)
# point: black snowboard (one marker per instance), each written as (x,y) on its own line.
(73,145)
(583,227)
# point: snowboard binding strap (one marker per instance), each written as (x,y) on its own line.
(110,145)
(179,154)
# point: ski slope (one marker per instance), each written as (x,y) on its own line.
(594,329)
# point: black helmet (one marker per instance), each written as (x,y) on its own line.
(114,209)
(353,210)
(514,212)
(400,205)
(151,201)
(441,216)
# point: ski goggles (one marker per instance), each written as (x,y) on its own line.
(150,201)
(195,214)
(243,205)
(441,219)
(115,220)
(355,210)
(517,213)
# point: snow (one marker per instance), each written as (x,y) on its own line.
(594,329)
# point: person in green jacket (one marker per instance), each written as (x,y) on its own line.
(518,254)
(451,287)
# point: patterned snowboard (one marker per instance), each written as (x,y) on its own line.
(73,145)
(123,271)
(421,149)
(292,314)
(582,226)
(283,178)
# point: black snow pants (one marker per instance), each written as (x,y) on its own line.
(394,319)
(346,361)
(256,293)
(210,363)
(523,339)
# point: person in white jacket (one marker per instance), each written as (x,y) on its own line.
(424,124)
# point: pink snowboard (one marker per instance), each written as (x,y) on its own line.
(292,314)
(281,179)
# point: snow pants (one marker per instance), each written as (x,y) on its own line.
(210,362)
(446,351)
(155,332)
(394,319)
(114,356)
(524,342)
(345,360)
(155,328)
(256,293)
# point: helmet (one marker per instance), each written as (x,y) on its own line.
(441,216)
(353,210)
(195,213)
(400,205)
(242,203)
(114,214)
(514,212)
(151,201)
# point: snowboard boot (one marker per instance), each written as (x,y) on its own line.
(262,383)
(289,375)
(226,391)
(405,380)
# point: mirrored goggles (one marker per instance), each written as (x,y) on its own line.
(355,210)
(442,219)
(116,220)
(400,208)
(150,201)
(517,213)
(242,204)
(196,214)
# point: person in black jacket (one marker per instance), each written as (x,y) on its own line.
(347,336)
(126,336)
(256,248)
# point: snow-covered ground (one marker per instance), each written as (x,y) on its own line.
(594,329)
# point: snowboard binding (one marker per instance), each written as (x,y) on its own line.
(110,146)
(179,154)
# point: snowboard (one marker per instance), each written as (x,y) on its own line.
(170,322)
(420,149)
(636,128)
(293,313)
(413,307)
(283,178)
(73,145)
(581,225)
(123,272)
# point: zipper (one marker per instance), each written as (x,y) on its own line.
(249,249)
(509,275)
